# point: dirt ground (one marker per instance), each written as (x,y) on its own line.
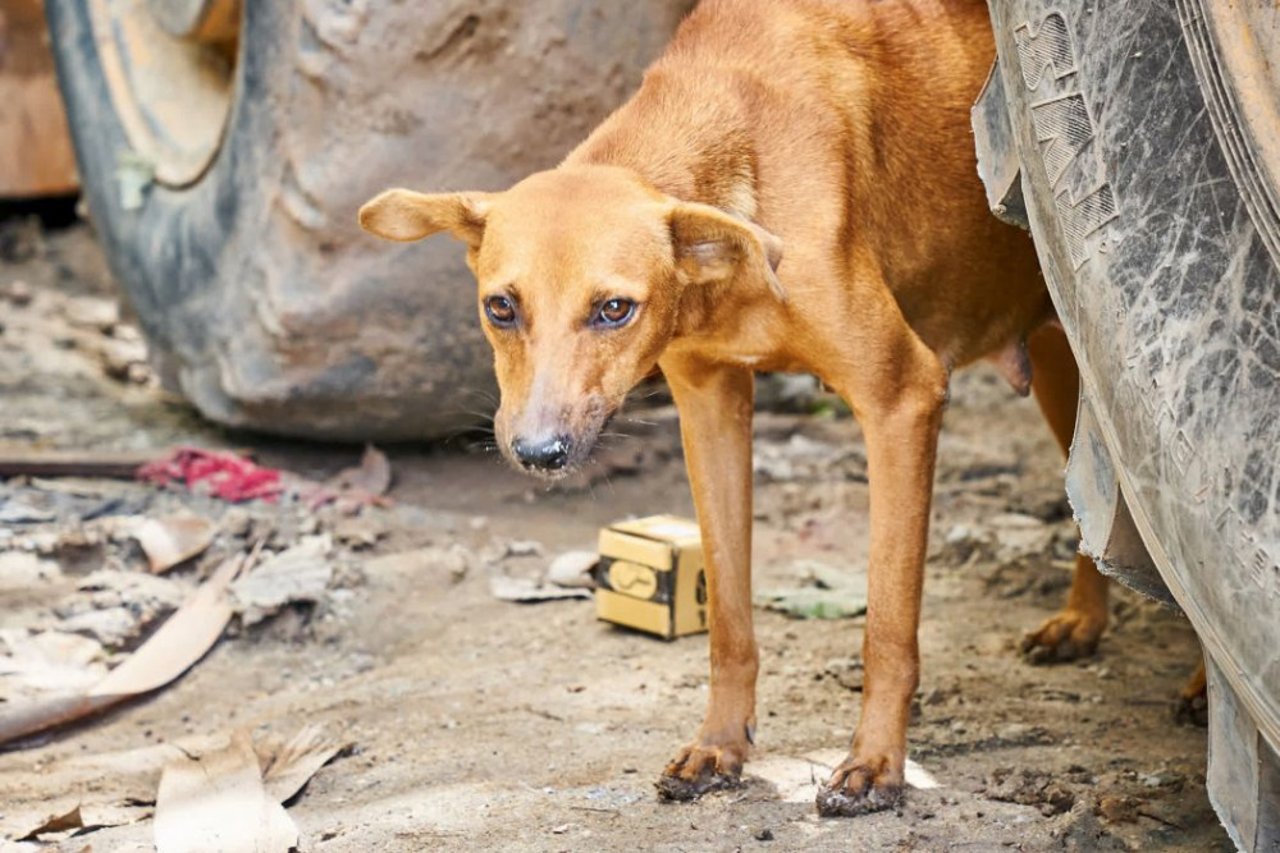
(479,724)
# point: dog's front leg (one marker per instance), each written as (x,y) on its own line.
(900,412)
(715,405)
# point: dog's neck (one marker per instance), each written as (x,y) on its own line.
(685,144)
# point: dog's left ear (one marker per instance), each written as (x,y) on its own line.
(406,215)
(712,246)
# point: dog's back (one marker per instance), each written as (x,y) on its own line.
(848,94)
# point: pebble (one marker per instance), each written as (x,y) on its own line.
(1115,809)
(18,293)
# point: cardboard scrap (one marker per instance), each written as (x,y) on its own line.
(173,539)
(217,801)
(231,796)
(280,767)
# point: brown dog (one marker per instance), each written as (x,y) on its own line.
(838,130)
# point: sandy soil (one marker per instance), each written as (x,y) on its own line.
(484,725)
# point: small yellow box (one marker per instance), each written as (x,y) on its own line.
(650,576)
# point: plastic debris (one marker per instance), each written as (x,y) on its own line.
(827,593)
(228,476)
(573,569)
(531,590)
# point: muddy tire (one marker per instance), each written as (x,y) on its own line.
(263,303)
(1139,142)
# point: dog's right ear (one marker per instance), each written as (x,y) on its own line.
(712,246)
(406,215)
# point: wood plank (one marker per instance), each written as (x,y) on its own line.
(36,156)
(75,463)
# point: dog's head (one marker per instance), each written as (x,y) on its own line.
(585,276)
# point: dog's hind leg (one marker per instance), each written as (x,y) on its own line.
(1074,631)
(1193,699)
(715,405)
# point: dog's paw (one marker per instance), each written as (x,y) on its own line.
(699,770)
(1192,711)
(1193,702)
(857,788)
(1067,636)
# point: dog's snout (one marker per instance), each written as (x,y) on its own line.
(549,454)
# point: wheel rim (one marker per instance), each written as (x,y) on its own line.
(170,67)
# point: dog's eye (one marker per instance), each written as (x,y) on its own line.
(500,311)
(615,312)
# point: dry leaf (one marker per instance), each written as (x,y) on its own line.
(217,801)
(371,477)
(123,813)
(288,766)
(173,539)
(181,641)
(60,821)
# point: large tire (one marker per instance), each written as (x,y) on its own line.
(262,302)
(1145,143)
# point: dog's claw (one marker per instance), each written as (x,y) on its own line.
(1066,636)
(699,770)
(1192,711)
(832,803)
(853,791)
(673,789)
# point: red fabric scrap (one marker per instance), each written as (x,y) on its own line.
(227,476)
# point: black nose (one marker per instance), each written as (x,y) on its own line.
(549,454)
